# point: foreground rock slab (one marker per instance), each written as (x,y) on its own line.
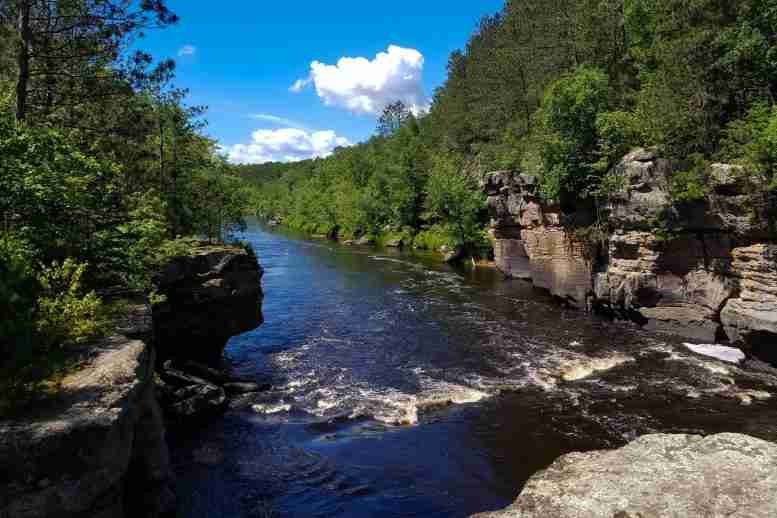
(665,476)
(99,450)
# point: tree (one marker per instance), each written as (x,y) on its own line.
(73,51)
(393,117)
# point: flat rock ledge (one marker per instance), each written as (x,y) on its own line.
(98,450)
(666,476)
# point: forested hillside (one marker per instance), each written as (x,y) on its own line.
(560,89)
(104,170)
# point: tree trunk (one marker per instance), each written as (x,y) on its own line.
(23,59)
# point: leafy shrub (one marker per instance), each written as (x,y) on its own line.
(434,238)
(692,184)
(67,315)
(454,200)
(618,133)
(752,142)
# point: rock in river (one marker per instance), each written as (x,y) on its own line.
(207,298)
(665,476)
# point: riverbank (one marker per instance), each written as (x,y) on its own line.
(97,447)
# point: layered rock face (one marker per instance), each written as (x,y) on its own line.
(751,317)
(713,271)
(207,298)
(98,451)
(530,242)
(726,475)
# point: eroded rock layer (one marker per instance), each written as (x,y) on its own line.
(705,270)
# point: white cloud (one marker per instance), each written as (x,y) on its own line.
(187,50)
(280,121)
(299,85)
(366,87)
(284,145)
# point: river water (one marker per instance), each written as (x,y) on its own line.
(404,387)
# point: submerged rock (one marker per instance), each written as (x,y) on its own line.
(667,476)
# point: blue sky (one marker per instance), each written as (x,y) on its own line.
(241,57)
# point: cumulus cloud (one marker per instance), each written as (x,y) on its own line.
(284,145)
(187,50)
(365,86)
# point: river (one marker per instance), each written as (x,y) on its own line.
(404,387)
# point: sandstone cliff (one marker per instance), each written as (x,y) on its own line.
(709,271)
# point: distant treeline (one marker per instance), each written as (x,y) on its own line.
(560,89)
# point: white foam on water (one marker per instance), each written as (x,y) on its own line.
(440,394)
(719,352)
(271,408)
(583,368)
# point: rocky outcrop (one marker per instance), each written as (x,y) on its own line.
(707,272)
(206,299)
(677,285)
(726,475)
(98,450)
(192,391)
(751,317)
(531,243)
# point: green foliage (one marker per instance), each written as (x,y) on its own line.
(618,132)
(691,184)
(454,200)
(570,110)
(434,238)
(66,314)
(752,141)
(18,292)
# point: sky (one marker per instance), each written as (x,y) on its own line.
(286,80)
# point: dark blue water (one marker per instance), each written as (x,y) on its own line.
(404,387)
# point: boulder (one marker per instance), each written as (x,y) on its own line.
(206,299)
(667,476)
(395,243)
(197,402)
(452,255)
(364,241)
